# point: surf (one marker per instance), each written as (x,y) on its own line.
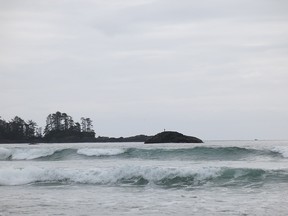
(194,153)
(164,177)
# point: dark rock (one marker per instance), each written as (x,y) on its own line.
(172,137)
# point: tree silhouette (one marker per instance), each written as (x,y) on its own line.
(61,127)
(30,129)
(18,130)
(86,124)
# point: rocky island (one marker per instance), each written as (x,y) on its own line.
(172,137)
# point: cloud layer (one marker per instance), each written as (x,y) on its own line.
(213,69)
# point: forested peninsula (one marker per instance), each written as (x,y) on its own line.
(60,128)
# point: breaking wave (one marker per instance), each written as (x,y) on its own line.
(25,153)
(195,153)
(100,152)
(54,154)
(143,176)
(283,150)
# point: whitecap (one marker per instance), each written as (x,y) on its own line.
(20,176)
(100,152)
(5,153)
(29,154)
(116,175)
(282,150)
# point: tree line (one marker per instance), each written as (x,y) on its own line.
(60,127)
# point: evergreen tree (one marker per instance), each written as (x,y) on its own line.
(86,124)
(30,131)
(17,128)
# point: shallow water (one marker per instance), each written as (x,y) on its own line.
(215,178)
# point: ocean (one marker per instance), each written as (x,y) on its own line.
(213,178)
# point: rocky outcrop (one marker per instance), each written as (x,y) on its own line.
(172,137)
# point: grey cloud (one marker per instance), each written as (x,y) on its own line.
(168,11)
(140,66)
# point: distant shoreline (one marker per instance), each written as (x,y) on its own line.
(121,140)
(99,139)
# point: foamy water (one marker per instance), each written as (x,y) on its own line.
(215,178)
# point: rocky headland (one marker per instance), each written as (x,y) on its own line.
(172,137)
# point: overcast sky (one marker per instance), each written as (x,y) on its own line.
(215,69)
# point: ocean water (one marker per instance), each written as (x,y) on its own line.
(214,178)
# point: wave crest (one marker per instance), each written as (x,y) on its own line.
(283,150)
(194,153)
(100,152)
(5,153)
(142,175)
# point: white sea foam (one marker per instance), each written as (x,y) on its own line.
(5,153)
(100,152)
(29,154)
(283,150)
(20,176)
